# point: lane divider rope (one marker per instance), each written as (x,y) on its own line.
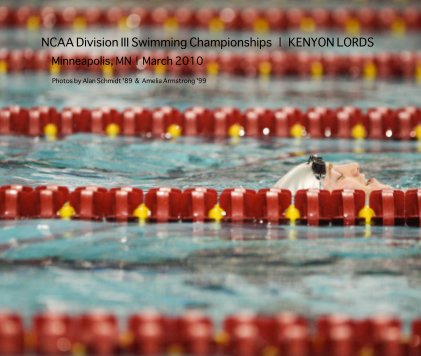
(379,123)
(351,21)
(313,207)
(193,333)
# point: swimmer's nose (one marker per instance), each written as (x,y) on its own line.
(355,169)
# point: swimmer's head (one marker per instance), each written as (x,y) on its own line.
(323,175)
(304,176)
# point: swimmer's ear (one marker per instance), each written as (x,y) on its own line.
(329,169)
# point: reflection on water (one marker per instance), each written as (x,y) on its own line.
(216,268)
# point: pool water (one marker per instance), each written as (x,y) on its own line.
(222,91)
(78,266)
(82,160)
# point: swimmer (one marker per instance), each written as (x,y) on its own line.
(317,173)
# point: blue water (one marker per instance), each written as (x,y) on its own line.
(222,91)
(95,160)
(217,269)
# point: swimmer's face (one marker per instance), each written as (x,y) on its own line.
(349,176)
